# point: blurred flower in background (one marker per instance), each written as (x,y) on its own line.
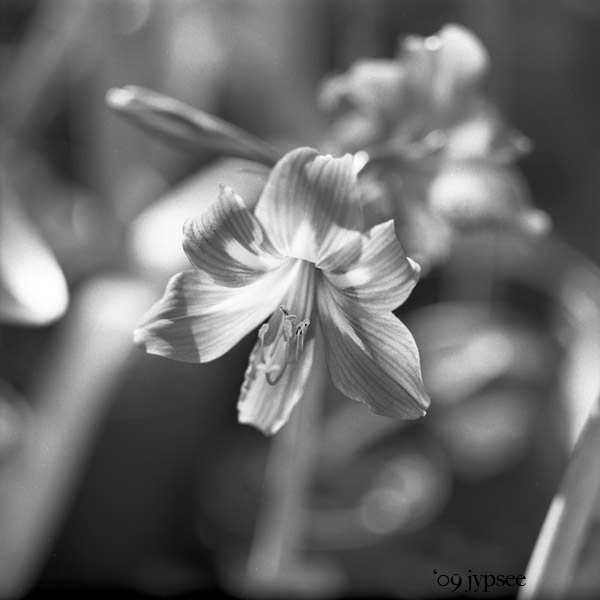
(434,151)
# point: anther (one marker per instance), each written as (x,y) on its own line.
(261,336)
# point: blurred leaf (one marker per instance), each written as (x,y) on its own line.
(465,347)
(396,487)
(72,390)
(188,127)
(33,290)
(554,560)
(490,432)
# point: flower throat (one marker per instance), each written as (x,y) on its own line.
(284,349)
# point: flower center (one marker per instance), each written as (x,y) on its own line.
(284,349)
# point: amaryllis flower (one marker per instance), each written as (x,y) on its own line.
(302,261)
(436,154)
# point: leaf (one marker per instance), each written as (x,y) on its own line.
(553,563)
(33,289)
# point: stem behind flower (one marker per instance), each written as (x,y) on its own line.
(275,564)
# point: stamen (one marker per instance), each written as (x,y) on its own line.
(292,335)
(261,336)
(299,339)
(288,327)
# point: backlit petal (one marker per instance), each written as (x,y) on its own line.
(197,320)
(462,62)
(379,275)
(368,85)
(445,68)
(372,358)
(309,203)
(154,239)
(228,242)
(267,406)
(477,192)
(484,133)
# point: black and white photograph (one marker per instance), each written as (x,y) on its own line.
(300,299)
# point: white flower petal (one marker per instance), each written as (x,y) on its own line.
(261,403)
(228,242)
(372,358)
(380,276)
(197,320)
(268,407)
(309,204)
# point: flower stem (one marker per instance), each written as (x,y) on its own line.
(275,563)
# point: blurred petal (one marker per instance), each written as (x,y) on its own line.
(476,192)
(228,242)
(379,275)
(370,100)
(309,203)
(484,133)
(33,289)
(445,68)
(373,87)
(187,126)
(372,358)
(463,61)
(197,320)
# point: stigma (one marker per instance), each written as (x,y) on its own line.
(284,348)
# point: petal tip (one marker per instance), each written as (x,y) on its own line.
(416,267)
(417,409)
(119,98)
(225,190)
(419,405)
(269,431)
(143,339)
(537,223)
(139,337)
